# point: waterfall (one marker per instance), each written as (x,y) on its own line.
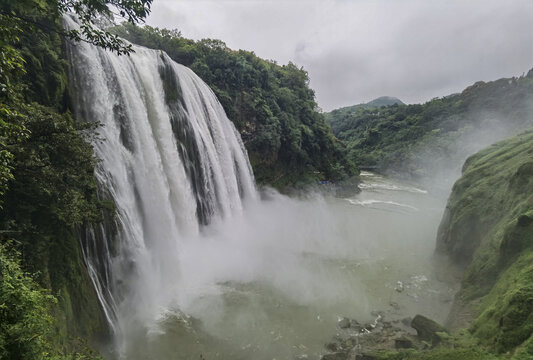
(170,160)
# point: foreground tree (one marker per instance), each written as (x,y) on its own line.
(21,17)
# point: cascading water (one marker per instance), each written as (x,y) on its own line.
(183,273)
(171,161)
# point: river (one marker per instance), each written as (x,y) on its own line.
(273,282)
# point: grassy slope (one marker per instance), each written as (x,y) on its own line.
(488,231)
(490,227)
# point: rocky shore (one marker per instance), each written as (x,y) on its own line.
(356,341)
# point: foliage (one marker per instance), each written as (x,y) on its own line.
(418,140)
(47,184)
(54,193)
(25,312)
(11,68)
(35,15)
(272,106)
(28,330)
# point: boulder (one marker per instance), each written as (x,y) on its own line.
(404,342)
(365,357)
(427,329)
(340,355)
(343,323)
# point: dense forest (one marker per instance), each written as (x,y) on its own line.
(421,140)
(271,105)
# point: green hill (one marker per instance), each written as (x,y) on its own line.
(488,230)
(378,102)
(433,139)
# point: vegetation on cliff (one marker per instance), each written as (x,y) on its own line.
(487,231)
(47,184)
(272,106)
(422,140)
(488,228)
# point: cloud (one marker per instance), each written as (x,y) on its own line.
(357,50)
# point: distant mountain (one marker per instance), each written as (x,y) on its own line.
(378,102)
(383,101)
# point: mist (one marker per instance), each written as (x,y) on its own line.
(443,158)
(273,281)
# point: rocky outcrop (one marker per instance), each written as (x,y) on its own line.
(427,329)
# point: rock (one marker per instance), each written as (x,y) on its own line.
(394,305)
(365,357)
(427,329)
(407,321)
(369,327)
(399,286)
(332,346)
(343,323)
(349,343)
(354,324)
(340,355)
(404,343)
(524,220)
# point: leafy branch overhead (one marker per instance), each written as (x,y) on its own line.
(19,19)
(88,11)
(34,15)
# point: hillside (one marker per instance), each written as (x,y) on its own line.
(272,106)
(488,230)
(331,117)
(431,141)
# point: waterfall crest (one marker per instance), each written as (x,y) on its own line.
(170,160)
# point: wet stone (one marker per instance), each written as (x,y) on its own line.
(340,355)
(343,323)
(332,346)
(404,343)
(427,329)
(365,357)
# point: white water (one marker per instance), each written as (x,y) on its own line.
(169,158)
(196,265)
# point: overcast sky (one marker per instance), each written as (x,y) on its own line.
(357,50)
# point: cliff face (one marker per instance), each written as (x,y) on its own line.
(487,231)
